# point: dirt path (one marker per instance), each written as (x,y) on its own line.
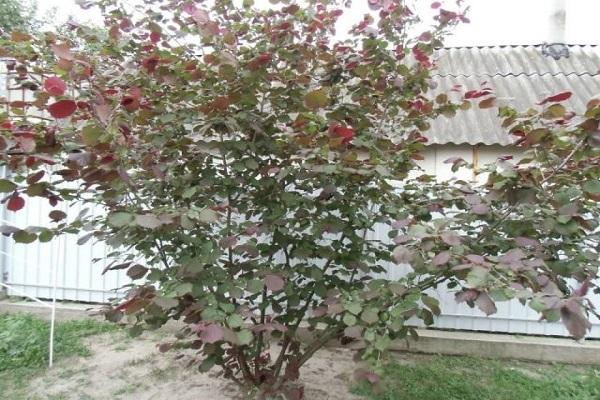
(123,368)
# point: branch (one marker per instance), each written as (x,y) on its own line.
(578,147)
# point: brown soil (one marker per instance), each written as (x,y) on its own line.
(123,368)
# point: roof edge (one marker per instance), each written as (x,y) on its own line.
(513,46)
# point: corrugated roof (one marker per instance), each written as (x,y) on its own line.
(520,76)
(516,60)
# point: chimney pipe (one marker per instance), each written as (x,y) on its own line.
(556,28)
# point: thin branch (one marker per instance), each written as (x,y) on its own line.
(578,147)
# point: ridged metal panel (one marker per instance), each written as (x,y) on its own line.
(29,266)
(520,76)
(516,60)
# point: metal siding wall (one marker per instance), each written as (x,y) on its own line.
(79,279)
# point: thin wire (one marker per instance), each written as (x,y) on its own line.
(54,271)
(14,289)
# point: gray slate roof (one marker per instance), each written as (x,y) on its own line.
(520,76)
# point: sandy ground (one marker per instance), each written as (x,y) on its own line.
(123,368)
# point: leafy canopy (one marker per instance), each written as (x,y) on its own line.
(246,157)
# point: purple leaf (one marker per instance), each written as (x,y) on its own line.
(228,241)
(486,304)
(362,374)
(480,209)
(466,295)
(475,259)
(274,282)
(526,242)
(512,256)
(441,258)
(402,255)
(402,239)
(574,320)
(451,238)
(354,332)
(211,333)
(473,199)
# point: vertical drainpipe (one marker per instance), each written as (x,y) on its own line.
(475,157)
(3,248)
(3,214)
(557,22)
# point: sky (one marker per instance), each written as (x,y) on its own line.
(493,22)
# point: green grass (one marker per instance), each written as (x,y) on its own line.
(24,345)
(465,378)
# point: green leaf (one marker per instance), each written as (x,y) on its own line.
(24,237)
(245,337)
(119,219)
(235,321)
(207,215)
(166,303)
(45,236)
(349,319)
(148,221)
(370,316)
(7,186)
(354,308)
(91,135)
(316,99)
(432,303)
(537,305)
(478,277)
(137,271)
(254,285)
(592,186)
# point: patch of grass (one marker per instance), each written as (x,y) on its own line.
(24,345)
(24,339)
(465,378)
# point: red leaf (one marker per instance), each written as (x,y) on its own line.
(150,63)
(562,96)
(15,203)
(436,4)
(62,108)
(474,94)
(155,37)
(55,86)
(345,132)
(274,282)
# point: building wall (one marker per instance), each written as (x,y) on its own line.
(512,316)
